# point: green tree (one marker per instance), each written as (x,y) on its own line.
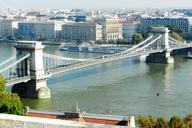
(137,37)
(161,123)
(146,122)
(9,102)
(174,28)
(188,120)
(176,36)
(99,42)
(146,33)
(2,84)
(176,122)
(111,42)
(122,41)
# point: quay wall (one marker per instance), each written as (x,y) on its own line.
(15,121)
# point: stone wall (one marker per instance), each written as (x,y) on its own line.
(14,121)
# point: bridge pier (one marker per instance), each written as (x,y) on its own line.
(161,57)
(33,67)
(163,43)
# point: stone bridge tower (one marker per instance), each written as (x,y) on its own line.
(163,43)
(33,67)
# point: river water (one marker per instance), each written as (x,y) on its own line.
(128,87)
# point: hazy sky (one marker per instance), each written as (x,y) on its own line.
(28,4)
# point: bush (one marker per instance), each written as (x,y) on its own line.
(10,103)
(146,122)
(176,122)
(137,38)
(2,84)
(161,123)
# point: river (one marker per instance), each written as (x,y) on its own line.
(127,87)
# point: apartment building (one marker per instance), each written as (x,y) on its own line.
(81,32)
(111,28)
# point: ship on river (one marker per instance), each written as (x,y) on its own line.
(105,49)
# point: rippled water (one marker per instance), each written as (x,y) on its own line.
(128,87)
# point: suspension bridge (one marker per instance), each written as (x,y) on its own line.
(29,69)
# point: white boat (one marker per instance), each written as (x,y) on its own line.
(189,55)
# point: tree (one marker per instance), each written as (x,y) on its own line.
(161,123)
(176,122)
(122,41)
(99,42)
(176,36)
(9,102)
(111,42)
(188,120)
(137,37)
(2,84)
(146,33)
(174,28)
(146,122)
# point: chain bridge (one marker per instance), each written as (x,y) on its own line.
(29,69)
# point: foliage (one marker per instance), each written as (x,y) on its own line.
(137,37)
(146,122)
(174,28)
(188,120)
(2,84)
(111,42)
(174,122)
(161,123)
(9,102)
(146,33)
(99,42)
(176,36)
(181,33)
(122,41)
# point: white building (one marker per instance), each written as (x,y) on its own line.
(39,30)
(129,29)
(8,28)
(82,31)
(111,28)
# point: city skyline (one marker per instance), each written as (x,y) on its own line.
(31,4)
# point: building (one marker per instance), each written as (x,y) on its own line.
(111,28)
(82,32)
(181,23)
(37,30)
(129,28)
(77,18)
(8,28)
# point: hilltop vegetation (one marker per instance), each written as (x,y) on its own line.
(9,102)
(174,122)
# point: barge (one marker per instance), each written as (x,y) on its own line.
(106,49)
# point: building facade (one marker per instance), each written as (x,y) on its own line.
(81,32)
(8,28)
(111,28)
(181,23)
(37,30)
(129,28)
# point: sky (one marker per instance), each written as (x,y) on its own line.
(54,4)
